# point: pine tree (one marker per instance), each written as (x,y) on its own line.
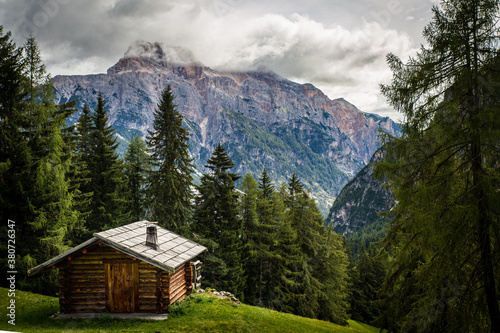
(444,174)
(108,185)
(216,219)
(171,183)
(137,170)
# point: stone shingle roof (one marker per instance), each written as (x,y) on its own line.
(131,239)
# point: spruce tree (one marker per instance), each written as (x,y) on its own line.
(270,212)
(170,191)
(36,161)
(251,237)
(217,220)
(14,152)
(80,138)
(367,278)
(332,271)
(108,185)
(287,257)
(320,287)
(444,174)
(137,170)
(266,185)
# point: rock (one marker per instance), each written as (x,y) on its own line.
(360,201)
(262,119)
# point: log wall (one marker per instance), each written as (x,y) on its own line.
(82,282)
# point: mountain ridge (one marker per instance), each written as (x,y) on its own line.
(263,119)
(361,200)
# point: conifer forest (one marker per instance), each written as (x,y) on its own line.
(431,264)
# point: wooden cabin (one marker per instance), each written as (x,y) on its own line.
(139,267)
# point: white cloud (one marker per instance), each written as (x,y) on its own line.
(84,37)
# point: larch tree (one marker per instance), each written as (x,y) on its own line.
(171,183)
(444,173)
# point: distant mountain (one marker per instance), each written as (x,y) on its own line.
(358,204)
(262,119)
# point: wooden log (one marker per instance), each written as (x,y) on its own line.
(176,287)
(159,291)
(89,303)
(177,278)
(88,308)
(178,297)
(87,291)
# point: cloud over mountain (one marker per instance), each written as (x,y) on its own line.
(318,43)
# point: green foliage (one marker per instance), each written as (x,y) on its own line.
(107,182)
(170,183)
(261,216)
(137,168)
(367,278)
(35,162)
(444,174)
(293,263)
(216,218)
(367,236)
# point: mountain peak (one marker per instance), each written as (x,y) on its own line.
(161,52)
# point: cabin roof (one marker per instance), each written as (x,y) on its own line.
(131,239)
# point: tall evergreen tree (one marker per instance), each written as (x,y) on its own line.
(367,279)
(137,170)
(332,271)
(14,153)
(34,158)
(320,287)
(270,214)
(266,185)
(251,237)
(80,138)
(171,183)
(444,174)
(217,219)
(108,185)
(286,261)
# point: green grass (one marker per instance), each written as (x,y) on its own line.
(198,313)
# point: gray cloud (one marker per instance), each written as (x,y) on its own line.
(336,45)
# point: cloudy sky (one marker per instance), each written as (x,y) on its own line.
(337,45)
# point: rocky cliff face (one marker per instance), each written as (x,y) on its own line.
(358,203)
(263,120)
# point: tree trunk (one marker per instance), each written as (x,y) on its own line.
(484,238)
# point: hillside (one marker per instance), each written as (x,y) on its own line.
(199,313)
(262,119)
(358,204)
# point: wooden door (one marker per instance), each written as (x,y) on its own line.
(122,286)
